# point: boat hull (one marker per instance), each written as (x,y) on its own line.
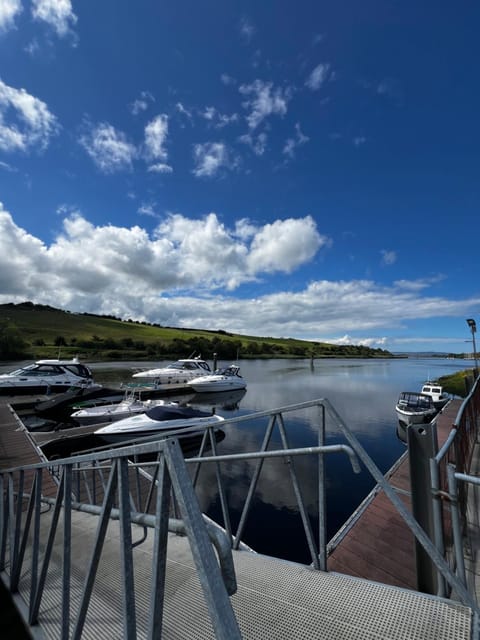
(177,373)
(144,426)
(411,417)
(217,386)
(415,408)
(46,376)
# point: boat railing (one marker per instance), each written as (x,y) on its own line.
(150,484)
(453,488)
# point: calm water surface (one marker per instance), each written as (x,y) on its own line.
(363,392)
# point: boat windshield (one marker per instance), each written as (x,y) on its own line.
(191,365)
(38,370)
(78,370)
(182,365)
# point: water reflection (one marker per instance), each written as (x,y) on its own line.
(363,392)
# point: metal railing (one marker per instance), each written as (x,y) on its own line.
(26,543)
(452,486)
(120,483)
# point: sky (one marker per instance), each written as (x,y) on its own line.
(305,169)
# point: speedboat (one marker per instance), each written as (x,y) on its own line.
(60,406)
(227,379)
(161,420)
(131,405)
(415,408)
(46,376)
(179,372)
(435,391)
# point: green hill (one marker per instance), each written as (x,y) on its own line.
(35,331)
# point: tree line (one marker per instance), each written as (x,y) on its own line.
(13,346)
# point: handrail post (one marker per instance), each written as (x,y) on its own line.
(437,519)
(423,445)
(322,505)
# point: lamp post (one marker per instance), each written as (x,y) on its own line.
(473,328)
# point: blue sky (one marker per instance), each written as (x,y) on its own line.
(306,169)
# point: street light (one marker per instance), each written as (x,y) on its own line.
(473,328)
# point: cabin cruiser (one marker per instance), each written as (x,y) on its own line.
(131,405)
(161,420)
(415,408)
(46,376)
(227,379)
(179,372)
(435,391)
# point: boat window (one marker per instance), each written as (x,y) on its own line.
(47,370)
(79,370)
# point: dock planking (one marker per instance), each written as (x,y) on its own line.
(16,447)
(377,544)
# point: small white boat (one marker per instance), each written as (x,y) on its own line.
(131,405)
(227,379)
(179,372)
(160,420)
(435,391)
(415,408)
(45,376)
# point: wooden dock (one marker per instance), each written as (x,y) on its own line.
(376,543)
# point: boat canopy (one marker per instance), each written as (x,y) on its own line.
(168,412)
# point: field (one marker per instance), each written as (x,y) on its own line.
(39,331)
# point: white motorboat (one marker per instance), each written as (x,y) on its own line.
(227,379)
(435,391)
(415,408)
(131,405)
(46,376)
(179,372)
(161,420)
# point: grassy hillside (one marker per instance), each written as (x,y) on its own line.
(39,331)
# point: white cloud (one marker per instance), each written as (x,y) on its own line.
(421,283)
(258,143)
(318,77)
(147,210)
(297,141)
(227,80)
(130,273)
(7,167)
(388,257)
(217,119)
(183,110)
(25,121)
(160,167)
(247,30)
(377,342)
(57,13)
(210,158)
(9,10)
(265,101)
(284,244)
(156,133)
(142,103)
(108,148)
(116,262)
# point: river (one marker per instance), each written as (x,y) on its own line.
(363,392)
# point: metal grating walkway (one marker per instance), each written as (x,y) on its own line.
(275,599)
